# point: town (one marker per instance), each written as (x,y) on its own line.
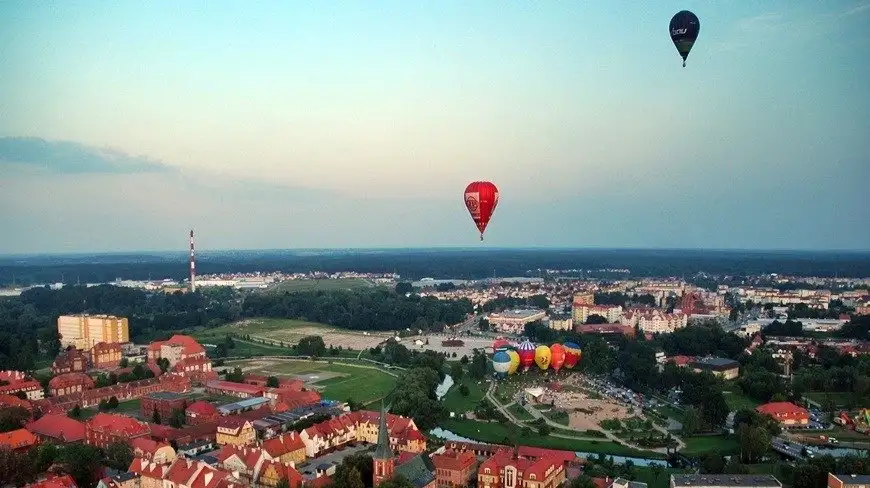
(712,380)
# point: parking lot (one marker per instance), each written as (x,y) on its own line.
(309,467)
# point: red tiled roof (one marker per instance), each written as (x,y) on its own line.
(57,426)
(783,410)
(202,408)
(190,345)
(17,439)
(118,425)
(248,455)
(404,457)
(71,379)
(65,481)
(453,460)
(238,387)
(14,401)
(146,445)
(278,446)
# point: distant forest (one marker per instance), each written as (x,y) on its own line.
(445,263)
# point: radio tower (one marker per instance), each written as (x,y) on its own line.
(192,265)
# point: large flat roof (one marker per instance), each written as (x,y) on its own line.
(736,480)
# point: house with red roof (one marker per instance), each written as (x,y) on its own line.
(200,412)
(205,432)
(58,428)
(273,471)
(241,461)
(454,468)
(236,431)
(17,440)
(507,469)
(294,384)
(69,361)
(105,429)
(11,401)
(105,355)
(150,473)
(240,390)
(786,413)
(680,360)
(286,448)
(151,450)
(54,481)
(175,349)
(69,383)
(12,382)
(121,391)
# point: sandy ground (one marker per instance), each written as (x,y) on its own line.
(351,340)
(471,343)
(601,409)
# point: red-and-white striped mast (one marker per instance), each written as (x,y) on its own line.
(192,265)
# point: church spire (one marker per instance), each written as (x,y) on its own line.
(383,450)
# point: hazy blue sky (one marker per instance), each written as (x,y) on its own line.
(359,123)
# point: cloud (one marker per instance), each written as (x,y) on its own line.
(67,157)
(857,9)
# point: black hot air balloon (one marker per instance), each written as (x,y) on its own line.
(684,30)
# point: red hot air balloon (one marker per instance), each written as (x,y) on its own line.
(557,356)
(481,198)
(527,354)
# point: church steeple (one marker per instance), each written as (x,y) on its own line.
(383,457)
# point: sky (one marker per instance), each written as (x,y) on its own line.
(303,124)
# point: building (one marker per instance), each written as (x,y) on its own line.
(505,469)
(514,321)
(84,331)
(235,431)
(105,429)
(723,368)
(287,448)
(245,405)
(57,429)
(785,413)
(121,480)
(724,481)
(13,382)
(581,313)
(10,401)
(240,390)
(69,383)
(624,483)
(272,472)
(166,403)
(604,329)
(54,481)
(105,355)
(70,360)
(561,322)
(654,321)
(454,468)
(382,459)
(151,450)
(584,298)
(848,480)
(200,412)
(17,440)
(175,349)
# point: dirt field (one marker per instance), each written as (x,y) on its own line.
(291,331)
(585,413)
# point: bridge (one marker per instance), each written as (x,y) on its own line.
(790,450)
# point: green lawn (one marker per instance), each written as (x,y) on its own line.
(129,406)
(557,416)
(339,382)
(841,399)
(295,286)
(520,413)
(455,402)
(703,444)
(738,401)
(494,432)
(669,411)
(261,327)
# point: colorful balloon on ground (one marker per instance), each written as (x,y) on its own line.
(515,361)
(572,354)
(542,357)
(557,356)
(481,198)
(526,351)
(501,362)
(684,29)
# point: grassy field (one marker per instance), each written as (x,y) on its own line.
(520,413)
(703,444)
(290,331)
(296,286)
(494,432)
(841,399)
(738,401)
(455,402)
(335,381)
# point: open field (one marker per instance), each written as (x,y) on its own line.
(454,401)
(736,400)
(295,286)
(290,331)
(334,381)
(696,446)
(841,399)
(471,343)
(584,413)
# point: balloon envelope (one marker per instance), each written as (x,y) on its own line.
(500,343)
(501,362)
(572,354)
(481,198)
(515,361)
(684,30)
(542,357)
(526,352)
(557,356)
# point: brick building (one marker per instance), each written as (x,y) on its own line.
(12,382)
(454,468)
(105,355)
(201,412)
(69,383)
(105,429)
(175,349)
(69,361)
(121,391)
(785,413)
(506,469)
(164,402)
(57,429)
(240,390)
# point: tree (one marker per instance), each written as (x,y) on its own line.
(283,483)
(76,412)
(477,370)
(596,319)
(13,418)
(347,476)
(544,430)
(112,404)
(397,481)
(403,288)
(272,382)
(177,418)
(236,375)
(417,399)
(692,421)
(754,442)
(463,390)
(311,346)
(456,372)
(155,417)
(164,364)
(125,362)
(713,463)
(483,324)
(83,462)
(119,455)
(582,481)
(463,360)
